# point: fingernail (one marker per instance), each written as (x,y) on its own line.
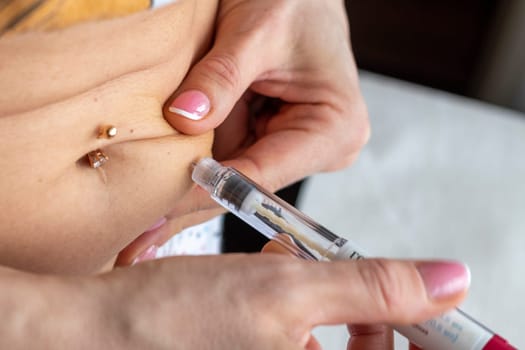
(148,254)
(191,104)
(158,224)
(444,279)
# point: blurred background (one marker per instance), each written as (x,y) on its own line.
(472,48)
(442,175)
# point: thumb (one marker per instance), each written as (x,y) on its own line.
(212,87)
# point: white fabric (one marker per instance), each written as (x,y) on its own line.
(442,176)
(202,239)
(158,3)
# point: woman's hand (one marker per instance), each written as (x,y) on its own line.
(281,87)
(296,53)
(58,89)
(362,336)
(262,301)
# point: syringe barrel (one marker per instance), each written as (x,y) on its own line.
(269,214)
(280,221)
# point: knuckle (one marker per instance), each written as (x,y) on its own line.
(285,278)
(364,132)
(223,69)
(359,134)
(382,282)
(286,271)
(274,284)
(360,126)
(353,133)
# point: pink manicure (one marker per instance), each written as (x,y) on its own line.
(148,254)
(444,279)
(191,104)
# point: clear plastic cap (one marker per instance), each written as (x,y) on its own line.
(205,173)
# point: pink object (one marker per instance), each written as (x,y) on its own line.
(148,254)
(445,278)
(498,343)
(191,104)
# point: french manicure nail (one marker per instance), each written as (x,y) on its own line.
(191,104)
(444,279)
(148,254)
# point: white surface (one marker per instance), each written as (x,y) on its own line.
(442,176)
(202,239)
(158,3)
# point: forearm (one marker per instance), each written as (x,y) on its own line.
(45,312)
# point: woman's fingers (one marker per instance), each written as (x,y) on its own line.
(380,291)
(390,285)
(370,337)
(248,41)
(312,344)
(281,298)
(362,336)
(275,247)
(321,117)
(373,337)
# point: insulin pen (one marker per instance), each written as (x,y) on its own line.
(305,238)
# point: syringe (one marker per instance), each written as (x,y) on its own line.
(305,238)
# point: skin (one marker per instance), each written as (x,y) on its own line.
(58,214)
(265,56)
(265,49)
(206,302)
(321,117)
(296,56)
(362,336)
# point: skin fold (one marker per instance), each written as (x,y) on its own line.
(57,213)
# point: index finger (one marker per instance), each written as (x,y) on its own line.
(369,291)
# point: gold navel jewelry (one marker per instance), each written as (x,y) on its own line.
(97,158)
(108,131)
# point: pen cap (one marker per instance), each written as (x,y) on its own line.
(205,173)
(498,343)
(225,185)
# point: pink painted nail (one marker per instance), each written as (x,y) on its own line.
(444,279)
(191,104)
(148,254)
(158,224)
